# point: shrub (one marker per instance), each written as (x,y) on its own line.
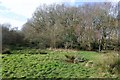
(6,51)
(110,62)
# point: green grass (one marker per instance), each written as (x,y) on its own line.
(26,64)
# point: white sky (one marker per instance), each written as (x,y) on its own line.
(16,12)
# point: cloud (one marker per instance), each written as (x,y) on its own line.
(25,7)
(17,11)
(14,23)
(21,7)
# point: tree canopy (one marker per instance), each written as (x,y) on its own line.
(88,26)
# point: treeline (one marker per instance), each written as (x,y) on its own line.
(11,37)
(88,27)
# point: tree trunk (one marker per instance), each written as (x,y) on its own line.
(119,36)
(99,45)
(118,16)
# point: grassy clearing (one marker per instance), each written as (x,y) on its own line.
(30,64)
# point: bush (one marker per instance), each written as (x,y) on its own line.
(110,62)
(6,51)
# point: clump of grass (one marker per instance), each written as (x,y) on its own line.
(110,62)
(6,51)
